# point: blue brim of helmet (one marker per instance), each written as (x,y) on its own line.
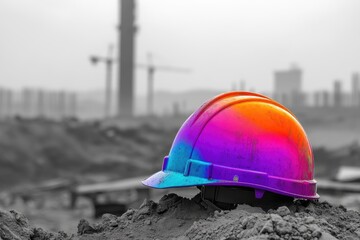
(167,179)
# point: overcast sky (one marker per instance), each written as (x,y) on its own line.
(46,43)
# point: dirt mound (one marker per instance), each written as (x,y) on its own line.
(169,218)
(15,226)
(179,218)
(32,150)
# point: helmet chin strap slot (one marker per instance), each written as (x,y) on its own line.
(228,197)
(259,193)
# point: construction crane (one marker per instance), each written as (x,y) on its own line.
(151,69)
(109,61)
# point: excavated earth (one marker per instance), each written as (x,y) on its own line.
(179,218)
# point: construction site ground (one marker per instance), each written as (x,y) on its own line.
(175,217)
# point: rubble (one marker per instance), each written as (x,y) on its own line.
(183,219)
(15,226)
(180,218)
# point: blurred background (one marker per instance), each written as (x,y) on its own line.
(93,92)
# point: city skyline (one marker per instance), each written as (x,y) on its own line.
(51,43)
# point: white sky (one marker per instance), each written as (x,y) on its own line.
(46,43)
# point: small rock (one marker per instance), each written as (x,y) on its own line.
(306,236)
(107,217)
(113,223)
(316,233)
(148,222)
(275,218)
(309,220)
(143,203)
(218,213)
(283,211)
(302,229)
(283,227)
(287,218)
(314,227)
(128,215)
(145,209)
(310,208)
(327,236)
(85,228)
(167,202)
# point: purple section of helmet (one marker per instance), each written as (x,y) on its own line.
(241,177)
(264,142)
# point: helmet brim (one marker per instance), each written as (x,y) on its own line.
(169,179)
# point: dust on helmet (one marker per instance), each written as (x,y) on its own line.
(241,139)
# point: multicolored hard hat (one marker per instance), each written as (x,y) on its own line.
(241,139)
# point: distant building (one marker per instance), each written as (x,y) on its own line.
(317,99)
(338,96)
(326,99)
(288,85)
(355,88)
(176,109)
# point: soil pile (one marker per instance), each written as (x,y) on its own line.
(32,151)
(15,226)
(179,218)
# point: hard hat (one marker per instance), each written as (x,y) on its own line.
(241,139)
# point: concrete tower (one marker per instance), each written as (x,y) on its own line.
(355,87)
(126,58)
(338,97)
